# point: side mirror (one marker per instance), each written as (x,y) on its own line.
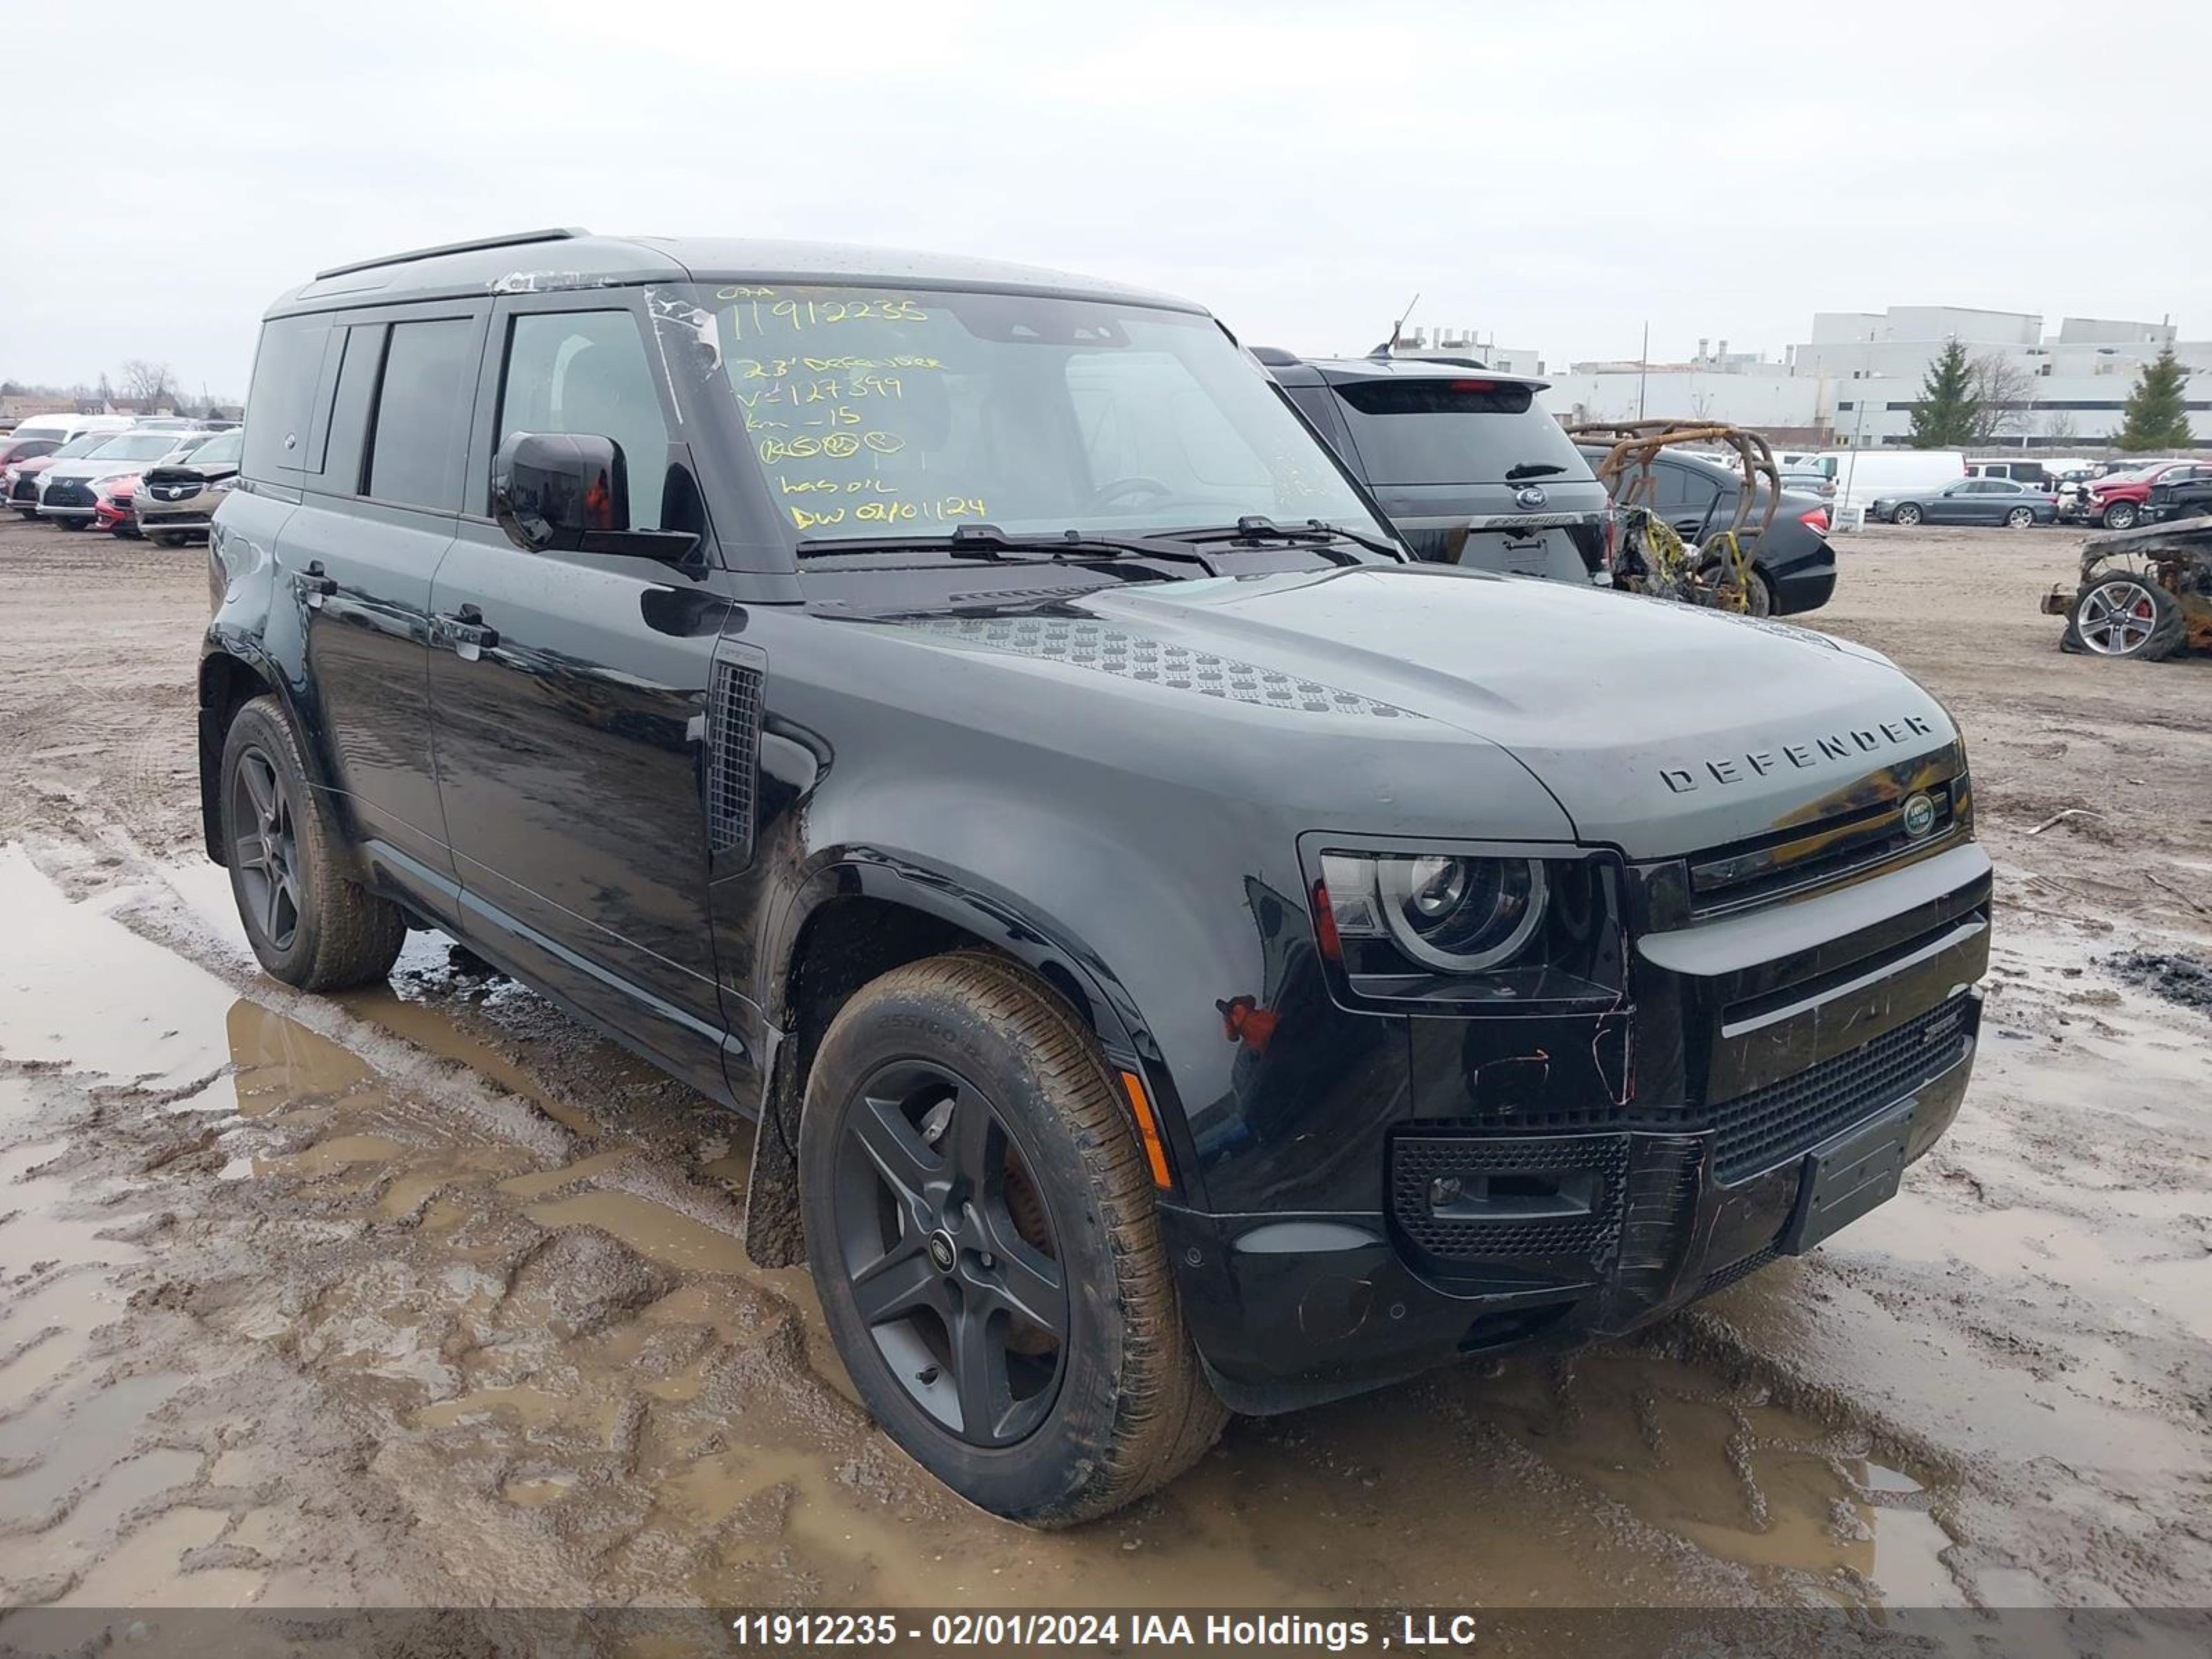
(550,489)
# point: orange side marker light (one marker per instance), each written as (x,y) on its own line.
(1148,1129)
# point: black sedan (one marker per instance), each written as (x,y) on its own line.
(1794,564)
(1971,500)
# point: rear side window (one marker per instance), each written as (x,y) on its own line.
(286,370)
(1436,431)
(417,445)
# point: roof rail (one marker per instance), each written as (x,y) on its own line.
(1276,357)
(519,237)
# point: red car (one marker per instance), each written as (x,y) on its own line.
(112,504)
(2116,502)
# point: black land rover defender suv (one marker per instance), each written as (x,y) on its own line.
(1184,956)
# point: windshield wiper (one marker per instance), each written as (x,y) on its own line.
(991,545)
(1532,470)
(1314,532)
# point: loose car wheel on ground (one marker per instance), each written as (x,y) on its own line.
(1906,513)
(2020,518)
(307,923)
(2125,615)
(980,1224)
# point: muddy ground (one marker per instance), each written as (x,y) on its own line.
(428,1296)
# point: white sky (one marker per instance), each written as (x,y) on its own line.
(1552,173)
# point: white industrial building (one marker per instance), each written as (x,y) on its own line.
(1859,374)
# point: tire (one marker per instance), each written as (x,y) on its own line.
(1760,601)
(976,1057)
(2122,614)
(2120,515)
(169,538)
(2021,518)
(1906,513)
(308,924)
(69,524)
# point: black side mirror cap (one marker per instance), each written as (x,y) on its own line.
(568,492)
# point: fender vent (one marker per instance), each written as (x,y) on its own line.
(733,715)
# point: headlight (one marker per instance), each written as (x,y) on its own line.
(1515,929)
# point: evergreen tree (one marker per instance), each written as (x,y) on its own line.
(2153,416)
(1949,413)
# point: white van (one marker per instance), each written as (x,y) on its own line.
(1862,474)
(66,427)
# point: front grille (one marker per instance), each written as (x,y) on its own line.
(1769,1126)
(68,492)
(1809,856)
(1418,1158)
(26,489)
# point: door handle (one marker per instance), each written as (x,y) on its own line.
(465,631)
(315,585)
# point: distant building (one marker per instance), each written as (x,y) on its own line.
(21,407)
(1467,342)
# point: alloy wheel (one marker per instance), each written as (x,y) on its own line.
(949,1254)
(2116,618)
(2020,518)
(1907,515)
(265,848)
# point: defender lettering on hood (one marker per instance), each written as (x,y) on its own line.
(1837,747)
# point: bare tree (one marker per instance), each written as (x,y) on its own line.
(145,383)
(2059,430)
(2002,390)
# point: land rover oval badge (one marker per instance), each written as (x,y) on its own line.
(1919,816)
(1531,496)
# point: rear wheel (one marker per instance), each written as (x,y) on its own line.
(2020,518)
(1906,513)
(1758,598)
(308,925)
(2124,614)
(982,1230)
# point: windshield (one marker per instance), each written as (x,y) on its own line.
(880,413)
(1430,429)
(80,447)
(223,448)
(136,446)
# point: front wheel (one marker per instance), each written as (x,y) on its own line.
(2020,518)
(2120,515)
(982,1230)
(307,923)
(1906,513)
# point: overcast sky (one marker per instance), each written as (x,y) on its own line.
(1552,174)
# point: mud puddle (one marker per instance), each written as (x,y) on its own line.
(395,1314)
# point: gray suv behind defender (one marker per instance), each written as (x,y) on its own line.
(1472,470)
(1182,955)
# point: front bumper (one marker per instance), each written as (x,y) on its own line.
(68,498)
(1309,1308)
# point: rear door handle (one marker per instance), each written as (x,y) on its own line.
(465,631)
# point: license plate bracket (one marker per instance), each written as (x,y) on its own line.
(1847,1176)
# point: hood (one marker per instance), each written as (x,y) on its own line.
(92,472)
(1659,728)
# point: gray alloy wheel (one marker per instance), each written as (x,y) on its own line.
(2020,518)
(265,848)
(2120,515)
(2126,614)
(1906,513)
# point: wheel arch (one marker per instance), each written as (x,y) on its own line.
(853,920)
(232,673)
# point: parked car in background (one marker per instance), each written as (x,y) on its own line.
(2116,501)
(16,447)
(19,479)
(1806,481)
(2172,497)
(1469,467)
(66,427)
(1793,564)
(111,508)
(66,490)
(176,499)
(1863,476)
(2034,474)
(1971,500)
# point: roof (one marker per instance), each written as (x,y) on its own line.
(1293,370)
(536,261)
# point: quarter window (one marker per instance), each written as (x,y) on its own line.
(422,428)
(286,371)
(586,372)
